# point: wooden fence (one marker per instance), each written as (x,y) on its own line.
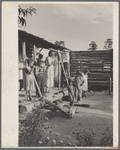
(100,65)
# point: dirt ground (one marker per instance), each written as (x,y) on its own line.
(91,125)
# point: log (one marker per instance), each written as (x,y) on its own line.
(102,82)
(57,108)
(92,52)
(90,58)
(76,64)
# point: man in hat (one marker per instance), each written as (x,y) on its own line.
(85,85)
(79,81)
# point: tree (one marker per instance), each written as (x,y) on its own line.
(108,44)
(60,43)
(93,46)
(22,13)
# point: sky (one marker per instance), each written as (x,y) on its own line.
(76,24)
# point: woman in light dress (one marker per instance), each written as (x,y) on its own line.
(50,61)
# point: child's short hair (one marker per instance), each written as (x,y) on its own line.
(29,62)
(50,53)
(86,71)
(40,56)
(79,73)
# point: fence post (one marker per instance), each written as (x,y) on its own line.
(110,85)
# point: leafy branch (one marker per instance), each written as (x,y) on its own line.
(22,13)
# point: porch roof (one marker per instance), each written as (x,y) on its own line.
(38,42)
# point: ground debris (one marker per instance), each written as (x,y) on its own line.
(46,118)
(57,133)
(61,142)
(54,142)
(40,142)
(68,137)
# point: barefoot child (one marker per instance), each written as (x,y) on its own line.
(85,85)
(79,81)
(29,79)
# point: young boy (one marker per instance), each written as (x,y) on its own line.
(79,81)
(39,74)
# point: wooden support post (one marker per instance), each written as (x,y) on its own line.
(69,88)
(37,87)
(24,63)
(59,73)
(109,85)
(34,53)
(24,52)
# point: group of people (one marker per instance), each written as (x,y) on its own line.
(42,72)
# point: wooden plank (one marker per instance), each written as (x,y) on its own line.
(88,55)
(89,64)
(89,67)
(94,70)
(86,64)
(56,107)
(97,73)
(76,60)
(59,79)
(92,61)
(99,85)
(92,56)
(93,84)
(100,71)
(102,82)
(92,52)
(93,80)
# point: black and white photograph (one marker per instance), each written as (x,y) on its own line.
(65,66)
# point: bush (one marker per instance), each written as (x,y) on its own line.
(87,138)
(107,138)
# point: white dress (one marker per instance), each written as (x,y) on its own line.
(29,79)
(85,85)
(50,72)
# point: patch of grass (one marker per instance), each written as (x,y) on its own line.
(30,131)
(107,138)
(88,137)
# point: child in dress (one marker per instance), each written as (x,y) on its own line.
(79,81)
(29,79)
(85,85)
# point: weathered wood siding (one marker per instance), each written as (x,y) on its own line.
(100,64)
